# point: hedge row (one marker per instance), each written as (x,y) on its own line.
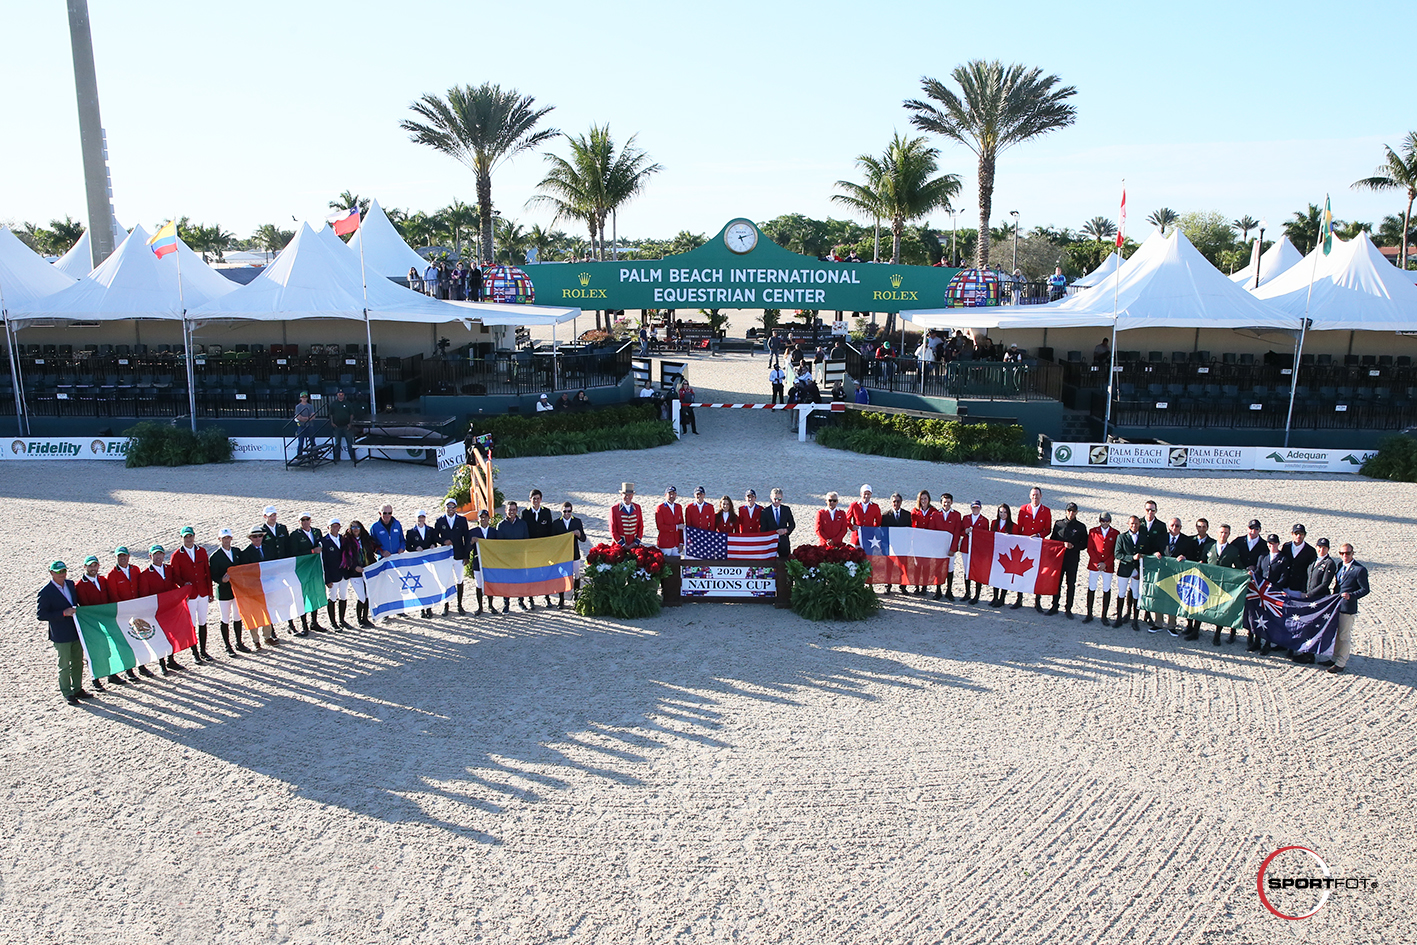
(934,440)
(1396,459)
(161,444)
(521,427)
(630,436)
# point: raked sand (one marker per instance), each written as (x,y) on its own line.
(720,772)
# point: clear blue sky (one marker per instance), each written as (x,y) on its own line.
(253,113)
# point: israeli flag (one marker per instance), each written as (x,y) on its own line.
(411,580)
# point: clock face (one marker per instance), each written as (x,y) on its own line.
(741,237)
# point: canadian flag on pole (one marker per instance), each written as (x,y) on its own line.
(1029,565)
(1122,227)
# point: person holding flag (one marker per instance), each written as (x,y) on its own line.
(93,590)
(954,524)
(56,603)
(862,513)
(192,569)
(1351,584)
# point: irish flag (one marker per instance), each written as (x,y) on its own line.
(117,637)
(269,592)
(1030,565)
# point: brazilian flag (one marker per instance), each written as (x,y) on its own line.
(1194,591)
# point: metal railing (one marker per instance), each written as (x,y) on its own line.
(526,371)
(975,380)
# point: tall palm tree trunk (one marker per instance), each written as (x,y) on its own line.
(484,213)
(1406,228)
(986,204)
(897,230)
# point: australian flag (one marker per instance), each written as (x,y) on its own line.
(1293,623)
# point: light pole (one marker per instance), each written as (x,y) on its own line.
(1014,214)
(1259,246)
(954,253)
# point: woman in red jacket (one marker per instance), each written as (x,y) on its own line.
(925,515)
(726,520)
(1003,522)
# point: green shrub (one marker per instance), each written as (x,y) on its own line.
(161,444)
(641,435)
(1396,459)
(937,440)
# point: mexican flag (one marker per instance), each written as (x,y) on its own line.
(1194,591)
(1029,565)
(269,592)
(117,637)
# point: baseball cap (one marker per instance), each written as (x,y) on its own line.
(1299,529)
(55,566)
(121,550)
(1072,507)
(224,533)
(157,549)
(976,504)
(305,515)
(1322,542)
(91,559)
(268,510)
(185,531)
(421,514)
(699,490)
(452,502)
(334,521)
(1254,523)
(1105,517)
(304,393)
(673,489)
(1272,538)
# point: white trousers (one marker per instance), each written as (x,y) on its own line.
(1104,576)
(229,613)
(1129,585)
(199,609)
(357,583)
(337,591)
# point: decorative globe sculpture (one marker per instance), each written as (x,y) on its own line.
(974,288)
(507,284)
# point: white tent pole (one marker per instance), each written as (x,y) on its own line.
(1299,348)
(22,414)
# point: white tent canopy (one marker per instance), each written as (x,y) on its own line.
(24,275)
(1354,289)
(1108,266)
(1277,259)
(78,261)
(134,283)
(317,276)
(385,252)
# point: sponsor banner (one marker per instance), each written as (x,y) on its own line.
(737,581)
(258,447)
(1243,458)
(454,454)
(100,447)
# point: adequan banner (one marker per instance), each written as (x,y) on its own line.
(1241,458)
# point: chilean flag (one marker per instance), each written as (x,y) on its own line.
(344,222)
(1122,230)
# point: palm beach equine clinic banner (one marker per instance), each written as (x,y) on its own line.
(1241,458)
(740,268)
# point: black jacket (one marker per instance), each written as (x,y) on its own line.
(456,534)
(331,557)
(1253,555)
(297,544)
(1321,576)
(253,555)
(1274,570)
(538,521)
(413,542)
(277,542)
(1074,534)
(50,605)
(478,531)
(1154,536)
(220,561)
(1299,565)
(1184,547)
(560,526)
(771,524)
(893,519)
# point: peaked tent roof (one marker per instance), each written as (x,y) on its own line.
(1354,289)
(24,275)
(1108,266)
(1277,259)
(316,276)
(134,283)
(78,261)
(385,252)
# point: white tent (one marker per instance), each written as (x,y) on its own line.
(1108,266)
(385,252)
(1277,259)
(24,275)
(134,283)
(1354,289)
(78,261)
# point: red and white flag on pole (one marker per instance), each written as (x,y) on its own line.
(1030,565)
(1122,227)
(344,222)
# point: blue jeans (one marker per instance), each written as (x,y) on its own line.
(305,441)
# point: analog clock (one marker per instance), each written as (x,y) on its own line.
(741,237)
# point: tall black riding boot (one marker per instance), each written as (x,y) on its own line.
(202,641)
(226,638)
(342,622)
(460,590)
(1117,618)
(949,585)
(978,589)
(1216,641)
(1091,599)
(1106,599)
(479,601)
(331,610)
(1136,625)
(236,632)
(1018,601)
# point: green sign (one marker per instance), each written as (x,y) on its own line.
(740,268)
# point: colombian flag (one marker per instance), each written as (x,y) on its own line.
(164,241)
(527,568)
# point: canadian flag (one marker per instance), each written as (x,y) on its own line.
(1016,563)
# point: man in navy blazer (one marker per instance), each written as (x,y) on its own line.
(513,528)
(55,604)
(1351,584)
(454,532)
(778,518)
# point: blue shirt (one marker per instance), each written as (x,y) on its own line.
(512,529)
(389,537)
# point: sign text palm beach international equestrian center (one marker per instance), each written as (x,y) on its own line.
(769,286)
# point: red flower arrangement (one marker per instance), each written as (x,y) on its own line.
(648,558)
(812,556)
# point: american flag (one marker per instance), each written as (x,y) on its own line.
(1264,595)
(699,543)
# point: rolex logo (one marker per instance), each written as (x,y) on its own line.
(584,278)
(896,280)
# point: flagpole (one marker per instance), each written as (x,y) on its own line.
(1116,280)
(21,408)
(1304,326)
(186,331)
(368,332)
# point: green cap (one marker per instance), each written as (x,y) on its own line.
(58,566)
(91,559)
(155,549)
(304,393)
(186,530)
(121,550)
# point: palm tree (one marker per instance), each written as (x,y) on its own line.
(1390,232)
(626,178)
(1350,230)
(458,218)
(543,241)
(1099,228)
(1245,224)
(512,241)
(1303,230)
(271,238)
(1398,172)
(348,200)
(63,234)
(900,186)
(594,181)
(1163,218)
(482,127)
(997,107)
(417,229)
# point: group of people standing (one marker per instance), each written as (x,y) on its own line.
(457,281)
